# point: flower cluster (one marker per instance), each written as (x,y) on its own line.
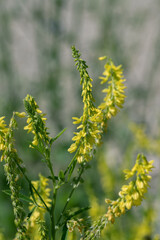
(93,119)
(141,139)
(35,221)
(140,136)
(36,122)
(114,98)
(11,159)
(94,232)
(89,135)
(3,131)
(133,193)
(75,223)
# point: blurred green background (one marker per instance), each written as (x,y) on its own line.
(35,58)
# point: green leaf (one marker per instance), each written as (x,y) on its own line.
(64,232)
(81,180)
(21,196)
(59,134)
(80,210)
(51,178)
(32,194)
(61,175)
(30,213)
(72,167)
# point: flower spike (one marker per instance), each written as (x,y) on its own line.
(133,193)
(89,135)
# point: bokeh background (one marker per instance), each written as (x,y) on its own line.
(35,58)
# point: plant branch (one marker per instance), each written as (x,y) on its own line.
(71,193)
(30,183)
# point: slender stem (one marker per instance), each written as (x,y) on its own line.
(70,195)
(64,232)
(46,155)
(53,230)
(70,164)
(48,161)
(52,217)
(51,169)
(30,183)
(52,225)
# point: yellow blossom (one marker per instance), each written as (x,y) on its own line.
(93,120)
(115,97)
(21,115)
(3,133)
(39,211)
(89,135)
(133,193)
(35,141)
(36,121)
(102,58)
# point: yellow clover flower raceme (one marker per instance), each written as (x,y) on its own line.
(114,99)
(11,167)
(3,131)
(89,134)
(93,120)
(133,193)
(36,122)
(144,141)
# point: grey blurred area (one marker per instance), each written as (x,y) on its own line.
(35,54)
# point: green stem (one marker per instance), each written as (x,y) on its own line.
(51,169)
(53,229)
(64,232)
(30,183)
(52,210)
(70,164)
(70,195)
(46,155)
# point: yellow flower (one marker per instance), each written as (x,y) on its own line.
(3,125)
(89,135)
(39,211)
(3,132)
(36,122)
(29,127)
(115,97)
(72,148)
(102,58)
(93,120)
(133,193)
(35,141)
(21,115)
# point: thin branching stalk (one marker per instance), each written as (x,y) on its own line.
(31,185)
